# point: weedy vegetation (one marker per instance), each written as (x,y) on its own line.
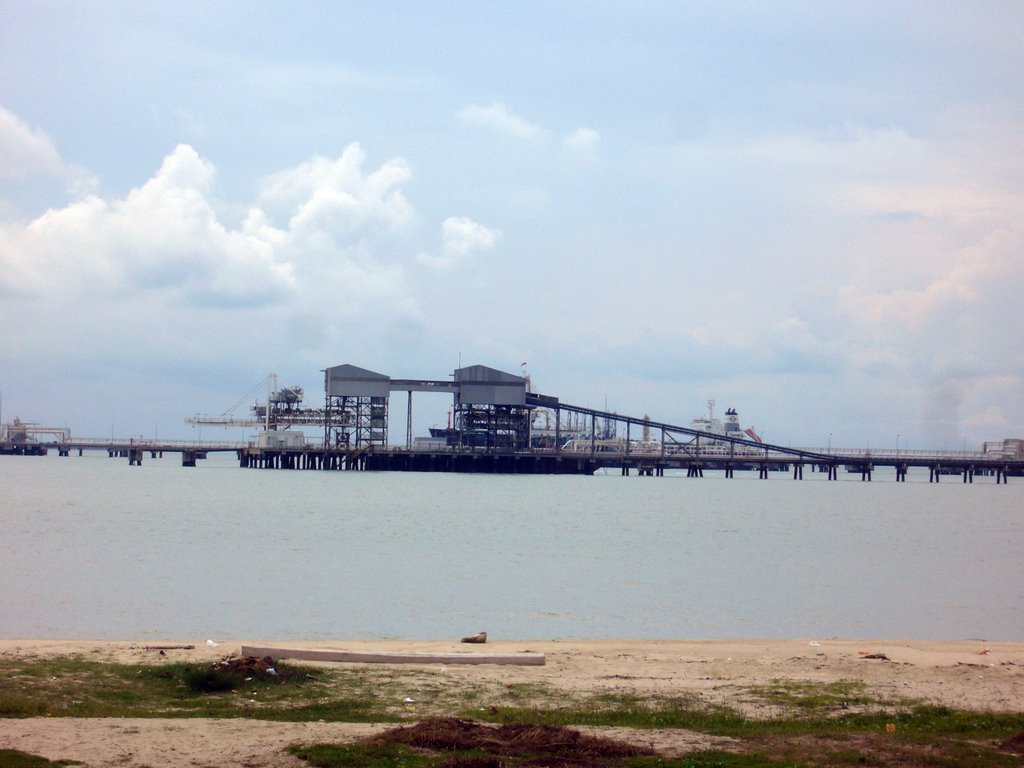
(832,725)
(13,758)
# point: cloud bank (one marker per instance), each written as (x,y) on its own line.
(317,228)
(167,278)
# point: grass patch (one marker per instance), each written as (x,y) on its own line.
(637,712)
(913,736)
(13,758)
(834,725)
(76,688)
(400,756)
(19,705)
(208,680)
(455,743)
(625,711)
(816,698)
(362,756)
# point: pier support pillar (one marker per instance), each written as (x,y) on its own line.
(188,458)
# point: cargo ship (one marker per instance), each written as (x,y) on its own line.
(730,428)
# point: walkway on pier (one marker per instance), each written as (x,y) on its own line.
(678,448)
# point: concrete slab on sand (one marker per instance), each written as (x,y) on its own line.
(525,659)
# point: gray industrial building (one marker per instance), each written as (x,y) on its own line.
(489,408)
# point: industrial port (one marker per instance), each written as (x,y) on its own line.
(498,424)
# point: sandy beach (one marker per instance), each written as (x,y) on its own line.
(969,674)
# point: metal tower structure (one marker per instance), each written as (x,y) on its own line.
(491,410)
(355,408)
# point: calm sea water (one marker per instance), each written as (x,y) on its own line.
(93,548)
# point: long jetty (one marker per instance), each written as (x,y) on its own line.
(494,413)
(134,449)
(702,452)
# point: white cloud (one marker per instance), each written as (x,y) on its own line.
(461,237)
(344,176)
(25,151)
(159,276)
(496,117)
(334,215)
(162,237)
(584,141)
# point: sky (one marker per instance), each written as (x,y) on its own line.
(811,212)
